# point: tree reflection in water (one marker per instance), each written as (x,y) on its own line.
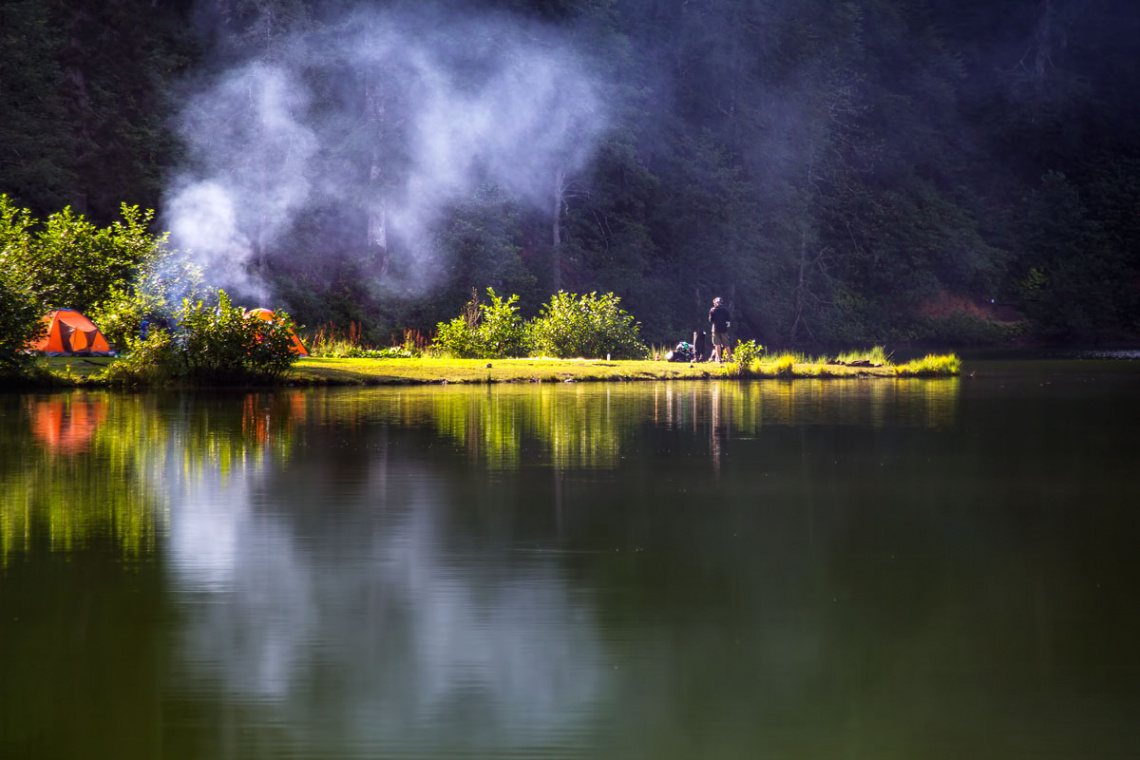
(354,562)
(97,463)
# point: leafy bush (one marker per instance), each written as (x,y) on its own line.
(743,357)
(392,352)
(74,263)
(20,309)
(216,344)
(148,361)
(220,344)
(588,326)
(484,331)
(456,338)
(121,316)
(162,281)
(20,322)
(15,233)
(502,331)
(119,275)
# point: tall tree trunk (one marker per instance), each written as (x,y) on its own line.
(556,227)
(1044,37)
(798,307)
(805,221)
(376,212)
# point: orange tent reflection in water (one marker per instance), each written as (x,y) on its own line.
(265,417)
(66,425)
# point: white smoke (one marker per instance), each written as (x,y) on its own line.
(397,116)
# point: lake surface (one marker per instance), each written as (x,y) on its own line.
(811,569)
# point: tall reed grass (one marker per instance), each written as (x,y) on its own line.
(875,355)
(931,365)
(342,343)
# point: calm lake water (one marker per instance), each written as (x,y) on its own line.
(818,569)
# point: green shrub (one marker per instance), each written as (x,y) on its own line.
(220,344)
(15,234)
(588,326)
(744,356)
(484,331)
(117,275)
(502,331)
(120,317)
(392,352)
(214,344)
(161,283)
(153,360)
(20,322)
(455,338)
(73,262)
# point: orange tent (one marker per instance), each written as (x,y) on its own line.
(71,334)
(268,316)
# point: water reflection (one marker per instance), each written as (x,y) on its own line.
(808,569)
(407,640)
(89,468)
(100,465)
(591,426)
(294,583)
(65,424)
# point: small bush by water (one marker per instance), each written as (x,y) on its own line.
(212,344)
(571,325)
(745,357)
(484,330)
(592,326)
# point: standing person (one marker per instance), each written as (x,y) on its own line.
(719,319)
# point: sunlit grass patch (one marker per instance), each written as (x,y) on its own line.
(73,370)
(384,369)
(931,365)
(823,368)
(783,365)
(740,368)
(816,368)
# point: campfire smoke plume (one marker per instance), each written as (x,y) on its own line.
(396,115)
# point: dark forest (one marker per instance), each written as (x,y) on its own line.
(840,172)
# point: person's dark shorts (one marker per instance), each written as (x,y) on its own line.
(720,339)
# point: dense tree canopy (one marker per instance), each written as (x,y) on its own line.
(858,171)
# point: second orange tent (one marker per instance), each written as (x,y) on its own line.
(268,316)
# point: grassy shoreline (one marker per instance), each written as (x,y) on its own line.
(315,371)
